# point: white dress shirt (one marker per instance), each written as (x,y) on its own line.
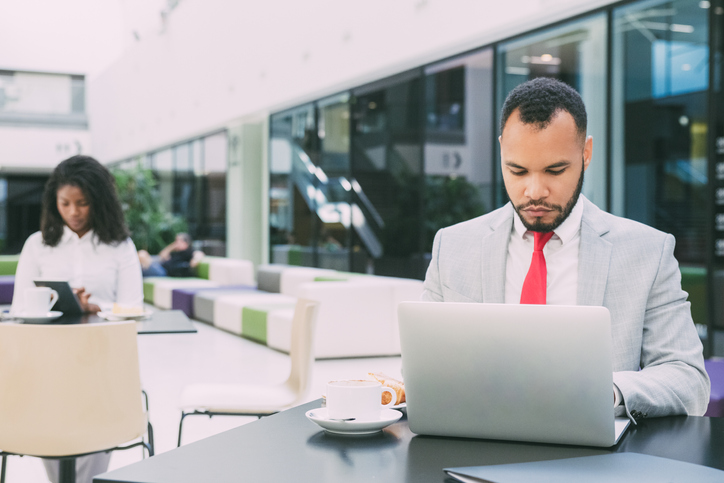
(109,273)
(561,254)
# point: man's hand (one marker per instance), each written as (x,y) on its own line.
(83,297)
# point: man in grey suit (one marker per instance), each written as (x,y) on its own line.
(591,258)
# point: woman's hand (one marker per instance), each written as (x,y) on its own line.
(83,297)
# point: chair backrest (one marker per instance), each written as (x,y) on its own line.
(69,389)
(302,347)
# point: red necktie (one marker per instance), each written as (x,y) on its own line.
(534,286)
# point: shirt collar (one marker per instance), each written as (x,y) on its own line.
(565,232)
(69,234)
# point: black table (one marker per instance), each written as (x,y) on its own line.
(160,322)
(288,447)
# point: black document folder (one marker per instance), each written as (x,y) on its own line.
(618,467)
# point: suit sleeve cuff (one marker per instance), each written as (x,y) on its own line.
(617,396)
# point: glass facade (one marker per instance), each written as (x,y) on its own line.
(20,207)
(387,170)
(574,53)
(660,108)
(192,184)
(418,151)
(459,141)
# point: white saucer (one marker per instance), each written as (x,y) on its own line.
(39,319)
(112,316)
(400,407)
(320,416)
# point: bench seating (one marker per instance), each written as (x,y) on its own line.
(715,369)
(204,300)
(7,286)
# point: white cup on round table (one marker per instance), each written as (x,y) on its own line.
(39,301)
(358,400)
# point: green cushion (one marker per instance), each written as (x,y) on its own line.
(254,320)
(331,279)
(295,256)
(693,281)
(148,291)
(8,264)
(202,269)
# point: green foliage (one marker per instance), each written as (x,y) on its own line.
(152,227)
(449,200)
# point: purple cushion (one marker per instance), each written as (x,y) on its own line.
(183,298)
(715,369)
(7,284)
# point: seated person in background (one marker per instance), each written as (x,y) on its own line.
(83,239)
(176,260)
(583,256)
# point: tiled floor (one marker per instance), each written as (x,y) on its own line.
(169,362)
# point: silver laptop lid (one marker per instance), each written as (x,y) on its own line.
(539,373)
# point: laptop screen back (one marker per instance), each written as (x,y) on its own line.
(539,373)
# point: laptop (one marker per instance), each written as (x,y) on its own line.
(535,373)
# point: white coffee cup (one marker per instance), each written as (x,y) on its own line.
(360,400)
(39,300)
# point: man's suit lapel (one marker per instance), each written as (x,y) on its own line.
(594,256)
(495,255)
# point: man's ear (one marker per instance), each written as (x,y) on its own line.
(587,152)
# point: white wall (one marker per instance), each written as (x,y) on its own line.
(32,149)
(217,60)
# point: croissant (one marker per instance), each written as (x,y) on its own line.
(392,383)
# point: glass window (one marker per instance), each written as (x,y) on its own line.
(163,168)
(44,99)
(387,177)
(215,153)
(298,184)
(661,73)
(659,137)
(458,141)
(331,181)
(574,53)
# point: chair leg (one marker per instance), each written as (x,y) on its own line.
(180,428)
(2,470)
(151,446)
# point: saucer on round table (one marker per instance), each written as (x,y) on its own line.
(38,319)
(320,416)
(115,317)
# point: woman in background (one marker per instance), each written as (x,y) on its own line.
(83,238)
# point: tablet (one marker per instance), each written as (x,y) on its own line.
(67,301)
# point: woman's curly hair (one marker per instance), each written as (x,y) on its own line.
(98,187)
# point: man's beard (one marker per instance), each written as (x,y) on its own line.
(562,212)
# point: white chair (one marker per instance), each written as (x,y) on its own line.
(260,400)
(69,391)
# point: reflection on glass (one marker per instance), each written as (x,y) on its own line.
(387,177)
(660,169)
(3,213)
(458,141)
(293,145)
(661,73)
(574,53)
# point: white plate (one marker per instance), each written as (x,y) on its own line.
(321,417)
(39,319)
(112,316)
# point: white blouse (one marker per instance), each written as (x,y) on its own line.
(109,273)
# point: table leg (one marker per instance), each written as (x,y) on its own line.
(67,470)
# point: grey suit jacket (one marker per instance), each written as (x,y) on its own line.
(624,266)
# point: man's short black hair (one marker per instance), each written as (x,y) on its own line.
(540,99)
